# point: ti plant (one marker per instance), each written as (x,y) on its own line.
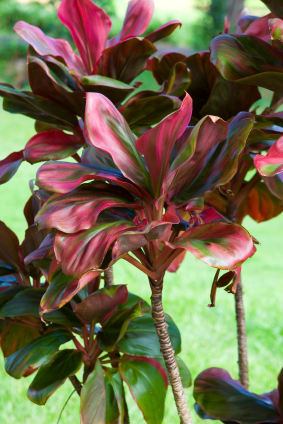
(142,190)
(133,208)
(111,332)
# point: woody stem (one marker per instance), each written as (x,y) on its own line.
(168,353)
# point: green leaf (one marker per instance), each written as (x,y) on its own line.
(93,398)
(53,374)
(115,328)
(35,353)
(112,377)
(112,408)
(140,337)
(147,382)
(27,302)
(133,299)
(8,294)
(16,336)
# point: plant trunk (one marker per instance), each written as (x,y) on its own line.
(242,336)
(168,353)
(76,384)
(109,281)
(108,277)
(241,323)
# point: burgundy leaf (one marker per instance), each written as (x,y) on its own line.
(137,19)
(219,245)
(161,66)
(156,145)
(106,129)
(146,108)
(79,209)
(134,239)
(226,399)
(44,84)
(9,247)
(126,60)
(10,165)
(195,148)
(51,145)
(220,165)
(84,251)
(45,45)
(89,26)
(42,251)
(280,392)
(164,31)
(102,303)
(62,288)
(62,177)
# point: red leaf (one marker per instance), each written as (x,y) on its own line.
(220,245)
(51,145)
(164,31)
(79,209)
(272,163)
(84,251)
(137,19)
(156,144)
(134,239)
(10,165)
(89,26)
(45,45)
(102,303)
(110,132)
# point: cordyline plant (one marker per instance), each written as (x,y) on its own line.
(144,203)
(248,58)
(213,94)
(135,206)
(59,78)
(108,327)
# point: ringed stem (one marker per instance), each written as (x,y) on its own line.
(168,352)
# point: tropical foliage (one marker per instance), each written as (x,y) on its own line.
(154,174)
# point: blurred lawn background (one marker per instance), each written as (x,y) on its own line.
(208,335)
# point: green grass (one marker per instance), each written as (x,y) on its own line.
(208,335)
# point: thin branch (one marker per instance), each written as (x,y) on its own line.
(76,384)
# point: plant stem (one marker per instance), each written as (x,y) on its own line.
(109,281)
(76,384)
(108,277)
(240,319)
(242,336)
(168,353)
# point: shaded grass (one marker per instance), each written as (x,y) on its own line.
(208,335)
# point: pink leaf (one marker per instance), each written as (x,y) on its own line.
(51,145)
(84,251)
(45,45)
(89,26)
(156,144)
(10,165)
(106,129)
(272,163)
(219,245)
(137,19)
(79,209)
